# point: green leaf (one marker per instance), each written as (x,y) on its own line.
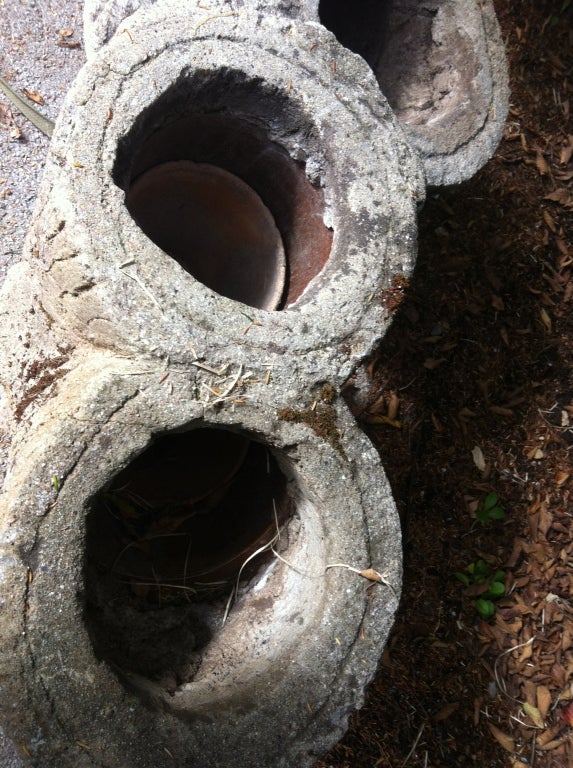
(490,501)
(481,568)
(497,513)
(463,578)
(490,509)
(499,576)
(496,590)
(485,608)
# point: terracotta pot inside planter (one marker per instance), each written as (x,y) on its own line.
(215,226)
(206,177)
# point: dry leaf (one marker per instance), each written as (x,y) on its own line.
(431,362)
(504,739)
(497,302)
(66,32)
(543,700)
(535,715)
(526,653)
(550,221)
(548,735)
(530,690)
(6,117)
(478,457)
(553,744)
(446,711)
(500,411)
(438,426)
(379,405)
(383,420)
(566,153)
(545,319)
(534,453)
(33,96)
(541,164)
(372,575)
(393,406)
(68,44)
(567,713)
(564,251)
(561,196)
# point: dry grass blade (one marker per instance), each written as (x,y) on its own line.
(234,594)
(414,745)
(135,277)
(499,681)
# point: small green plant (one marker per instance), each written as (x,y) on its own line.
(565,8)
(490,509)
(478,575)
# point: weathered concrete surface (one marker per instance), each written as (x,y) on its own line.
(440,63)
(94,259)
(444,72)
(277,683)
(114,343)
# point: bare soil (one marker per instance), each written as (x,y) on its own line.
(472,393)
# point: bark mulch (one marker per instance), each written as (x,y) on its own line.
(471,394)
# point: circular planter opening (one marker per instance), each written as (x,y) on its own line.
(167,543)
(426,63)
(209,176)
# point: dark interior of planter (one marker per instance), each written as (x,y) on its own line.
(359,25)
(244,128)
(166,543)
(427,75)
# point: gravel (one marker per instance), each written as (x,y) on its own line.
(36,56)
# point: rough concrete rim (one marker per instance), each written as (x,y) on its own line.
(372,184)
(476,150)
(70,697)
(102,19)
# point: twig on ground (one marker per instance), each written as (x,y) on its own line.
(414,745)
(499,681)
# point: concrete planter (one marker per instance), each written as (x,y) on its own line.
(139,680)
(441,65)
(227,198)
(130,374)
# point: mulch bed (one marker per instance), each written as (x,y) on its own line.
(472,394)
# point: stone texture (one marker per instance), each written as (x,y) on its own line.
(440,63)
(115,343)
